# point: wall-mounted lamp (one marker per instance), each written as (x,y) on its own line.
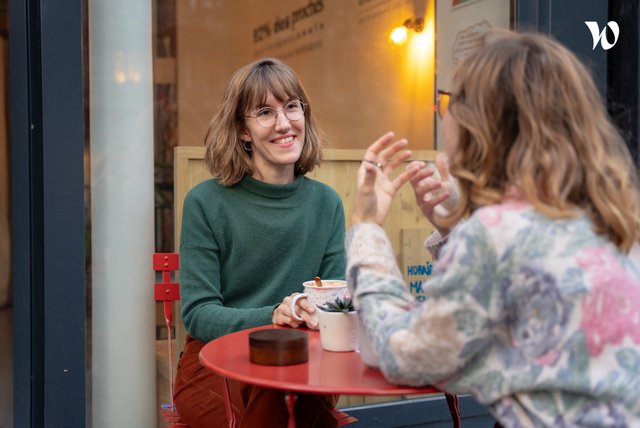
(399,34)
(417,24)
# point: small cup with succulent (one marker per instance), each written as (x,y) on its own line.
(338,305)
(338,325)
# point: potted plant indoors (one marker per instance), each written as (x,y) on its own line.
(338,324)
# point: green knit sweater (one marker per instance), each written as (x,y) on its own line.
(245,247)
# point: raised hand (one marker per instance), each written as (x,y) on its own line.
(375,189)
(436,192)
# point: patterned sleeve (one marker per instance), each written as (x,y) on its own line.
(421,343)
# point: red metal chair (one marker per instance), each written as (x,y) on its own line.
(168,292)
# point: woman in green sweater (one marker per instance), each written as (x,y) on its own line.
(250,237)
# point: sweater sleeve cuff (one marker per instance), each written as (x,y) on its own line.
(434,243)
(369,251)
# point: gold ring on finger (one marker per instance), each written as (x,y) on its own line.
(378,164)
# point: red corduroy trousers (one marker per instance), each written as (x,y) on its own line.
(199,399)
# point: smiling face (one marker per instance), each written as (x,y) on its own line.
(275,149)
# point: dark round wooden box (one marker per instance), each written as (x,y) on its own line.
(278,347)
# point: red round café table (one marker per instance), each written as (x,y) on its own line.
(324,373)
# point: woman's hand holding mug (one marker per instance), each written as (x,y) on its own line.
(295,310)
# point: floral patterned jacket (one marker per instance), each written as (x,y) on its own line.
(537,318)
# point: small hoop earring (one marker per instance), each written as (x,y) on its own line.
(244,144)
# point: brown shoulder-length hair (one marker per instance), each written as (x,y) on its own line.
(225,155)
(530,116)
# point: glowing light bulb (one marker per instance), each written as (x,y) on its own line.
(120,77)
(422,42)
(399,35)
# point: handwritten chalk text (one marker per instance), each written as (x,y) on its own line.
(415,270)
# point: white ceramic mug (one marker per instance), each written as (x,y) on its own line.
(319,296)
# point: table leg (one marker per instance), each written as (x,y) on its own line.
(227,405)
(454,409)
(290,399)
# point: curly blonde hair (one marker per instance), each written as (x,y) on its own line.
(225,156)
(530,116)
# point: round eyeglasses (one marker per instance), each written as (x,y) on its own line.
(267,116)
(442,102)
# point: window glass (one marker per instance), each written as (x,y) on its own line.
(156,77)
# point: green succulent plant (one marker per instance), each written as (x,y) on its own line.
(338,305)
